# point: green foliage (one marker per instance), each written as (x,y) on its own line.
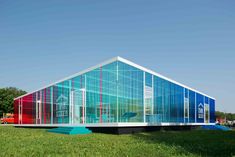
(219,114)
(7,96)
(37,142)
(229,116)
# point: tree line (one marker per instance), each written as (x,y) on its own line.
(7,96)
(223,115)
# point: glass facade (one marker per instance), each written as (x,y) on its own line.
(116,92)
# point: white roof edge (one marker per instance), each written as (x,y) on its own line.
(110,61)
(72,76)
(159,75)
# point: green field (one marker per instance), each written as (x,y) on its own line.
(38,142)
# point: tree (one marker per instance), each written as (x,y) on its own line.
(229,116)
(7,96)
(219,114)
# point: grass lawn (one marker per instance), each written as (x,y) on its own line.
(37,142)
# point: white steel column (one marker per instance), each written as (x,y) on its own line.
(51,104)
(195,107)
(72,106)
(36,108)
(71,103)
(144,97)
(209,115)
(184,105)
(188,105)
(40,107)
(85,100)
(152,95)
(19,111)
(204,108)
(117,91)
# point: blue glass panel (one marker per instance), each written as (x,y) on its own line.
(180,103)
(191,106)
(168,101)
(158,99)
(212,111)
(206,100)
(186,93)
(148,79)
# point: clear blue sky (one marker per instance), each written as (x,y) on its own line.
(192,42)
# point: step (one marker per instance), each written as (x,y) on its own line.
(71,130)
(216,127)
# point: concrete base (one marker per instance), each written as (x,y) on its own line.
(131,130)
(126,130)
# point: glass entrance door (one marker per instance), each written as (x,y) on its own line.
(20,112)
(148,101)
(38,112)
(78,106)
(207,114)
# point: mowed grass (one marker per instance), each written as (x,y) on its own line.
(37,142)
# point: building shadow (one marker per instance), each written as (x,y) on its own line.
(197,142)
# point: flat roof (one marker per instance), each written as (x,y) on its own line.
(124,61)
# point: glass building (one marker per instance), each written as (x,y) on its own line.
(115,93)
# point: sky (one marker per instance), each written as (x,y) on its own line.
(192,42)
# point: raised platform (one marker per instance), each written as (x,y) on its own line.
(122,128)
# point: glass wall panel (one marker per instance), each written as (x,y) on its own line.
(16,111)
(45,106)
(27,109)
(148,79)
(109,93)
(130,93)
(212,110)
(101,94)
(168,101)
(78,102)
(206,100)
(94,96)
(173,104)
(192,106)
(61,103)
(158,99)
(180,103)
(186,93)
(34,107)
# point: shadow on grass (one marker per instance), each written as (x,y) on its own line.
(198,142)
